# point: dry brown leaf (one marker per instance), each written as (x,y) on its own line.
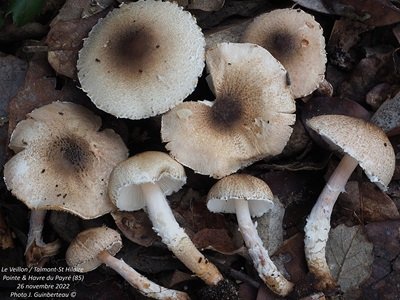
(12,76)
(371,12)
(228,33)
(205,5)
(349,256)
(377,67)
(6,239)
(291,254)
(65,39)
(40,88)
(383,282)
(135,226)
(218,240)
(344,36)
(364,203)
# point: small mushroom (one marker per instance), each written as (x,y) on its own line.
(142,59)
(247,196)
(142,182)
(364,144)
(62,162)
(250,119)
(99,245)
(295,39)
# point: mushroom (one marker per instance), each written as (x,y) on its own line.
(96,246)
(250,119)
(364,144)
(295,39)
(246,196)
(142,59)
(142,181)
(62,162)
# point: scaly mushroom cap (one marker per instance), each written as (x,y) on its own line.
(295,39)
(147,167)
(240,186)
(142,59)
(363,141)
(83,250)
(250,119)
(63,161)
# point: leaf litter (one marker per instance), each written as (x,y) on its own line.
(363,72)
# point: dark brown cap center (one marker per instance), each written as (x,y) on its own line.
(132,51)
(281,44)
(71,154)
(226,112)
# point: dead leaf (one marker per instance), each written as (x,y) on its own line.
(64,41)
(227,33)
(6,239)
(344,36)
(387,116)
(205,5)
(383,282)
(238,8)
(364,203)
(40,88)
(291,255)
(379,94)
(270,227)
(218,240)
(135,226)
(12,76)
(377,67)
(371,12)
(349,256)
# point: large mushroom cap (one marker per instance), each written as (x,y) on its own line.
(250,119)
(363,141)
(242,187)
(295,39)
(147,167)
(83,250)
(142,59)
(63,161)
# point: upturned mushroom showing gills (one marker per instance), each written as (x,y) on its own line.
(142,59)
(363,144)
(62,162)
(99,245)
(247,196)
(295,39)
(250,119)
(142,182)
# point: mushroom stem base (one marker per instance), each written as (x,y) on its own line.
(318,223)
(138,281)
(265,267)
(36,251)
(164,223)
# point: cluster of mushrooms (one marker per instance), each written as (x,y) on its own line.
(143,59)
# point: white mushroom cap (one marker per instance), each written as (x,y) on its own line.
(142,59)
(240,186)
(295,39)
(147,167)
(63,161)
(250,119)
(363,141)
(83,250)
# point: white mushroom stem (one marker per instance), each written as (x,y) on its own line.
(318,223)
(174,236)
(138,281)
(36,222)
(264,265)
(36,250)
